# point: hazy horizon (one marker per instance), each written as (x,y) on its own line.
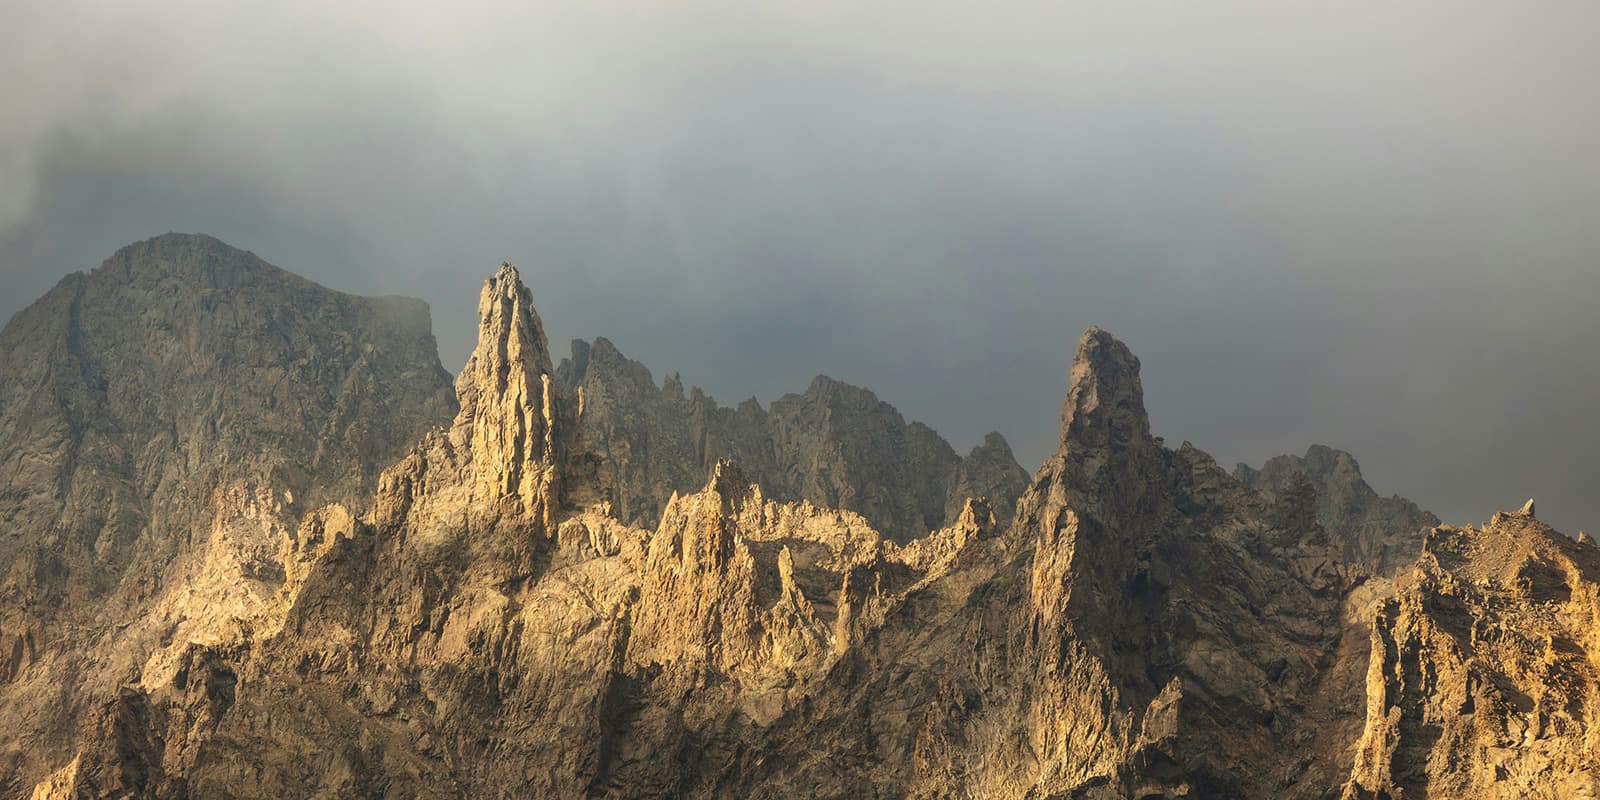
(1370,227)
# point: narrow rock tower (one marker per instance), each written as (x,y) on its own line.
(515,451)
(510,416)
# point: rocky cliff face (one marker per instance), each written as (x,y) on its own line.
(835,445)
(1484,673)
(165,420)
(1147,625)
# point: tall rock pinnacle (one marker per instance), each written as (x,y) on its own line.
(1093,511)
(509,404)
(1095,494)
(1105,403)
(1106,452)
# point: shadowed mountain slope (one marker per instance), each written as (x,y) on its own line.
(834,445)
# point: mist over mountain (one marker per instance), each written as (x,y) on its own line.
(1340,223)
(257,547)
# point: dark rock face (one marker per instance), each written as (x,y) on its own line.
(1382,533)
(834,445)
(1146,626)
(180,383)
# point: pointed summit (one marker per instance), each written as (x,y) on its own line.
(509,404)
(515,452)
(1107,464)
(1105,403)
(510,335)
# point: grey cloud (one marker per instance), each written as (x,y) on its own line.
(1358,224)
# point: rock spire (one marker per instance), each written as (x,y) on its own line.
(509,405)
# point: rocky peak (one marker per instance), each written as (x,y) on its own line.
(203,263)
(1091,504)
(830,391)
(1381,533)
(609,365)
(1105,465)
(1105,402)
(835,444)
(509,402)
(512,354)
(989,472)
(574,368)
(166,420)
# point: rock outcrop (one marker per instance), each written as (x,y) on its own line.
(1143,624)
(1484,673)
(834,445)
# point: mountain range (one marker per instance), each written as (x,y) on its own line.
(256,543)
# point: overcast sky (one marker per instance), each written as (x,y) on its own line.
(1373,225)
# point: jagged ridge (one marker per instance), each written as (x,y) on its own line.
(835,445)
(1371,528)
(1147,626)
